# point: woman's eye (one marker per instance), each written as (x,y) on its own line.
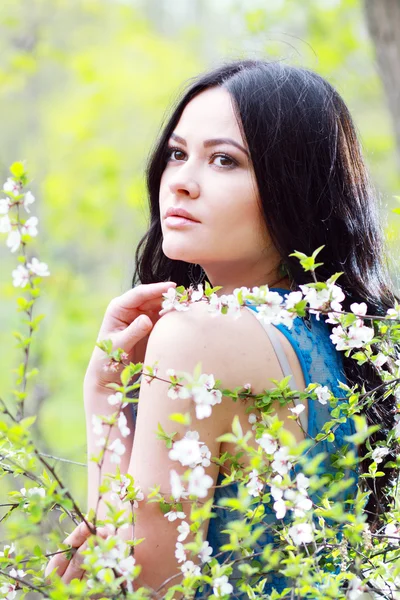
(226,161)
(175,151)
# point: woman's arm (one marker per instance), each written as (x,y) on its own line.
(96,403)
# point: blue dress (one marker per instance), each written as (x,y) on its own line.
(320,363)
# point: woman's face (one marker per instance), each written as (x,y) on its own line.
(209,174)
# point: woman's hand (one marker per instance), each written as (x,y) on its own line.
(69,569)
(128,321)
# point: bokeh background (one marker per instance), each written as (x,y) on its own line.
(84,87)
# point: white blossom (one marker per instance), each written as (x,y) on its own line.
(171,301)
(298,409)
(97,425)
(139,496)
(122,425)
(280,508)
(199,482)
(17,573)
(393,313)
(5,224)
(281,463)
(20,276)
(359,309)
(325,299)
(10,548)
(7,591)
(214,305)
(184,530)
(29,199)
(126,565)
(355,589)
(180,553)
(12,187)
(117,449)
(115,399)
(34,491)
(397,428)
(379,453)
(323,394)
(293,298)
(355,337)
(172,515)
(225,301)
(13,240)
(276,491)
(268,443)
(205,396)
(120,487)
(30,227)
(302,482)
(205,552)
(118,558)
(380,359)
(252,418)
(255,486)
(206,456)
(221,586)
(178,391)
(186,451)
(393,530)
(301,533)
(270,307)
(197,294)
(333,318)
(177,489)
(189,568)
(4,206)
(301,502)
(39,268)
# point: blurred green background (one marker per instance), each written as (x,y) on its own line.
(84,86)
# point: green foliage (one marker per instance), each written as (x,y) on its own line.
(83,90)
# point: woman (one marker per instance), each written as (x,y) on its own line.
(258,159)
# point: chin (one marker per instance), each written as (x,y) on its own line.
(176,253)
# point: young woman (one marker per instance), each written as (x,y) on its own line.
(258,159)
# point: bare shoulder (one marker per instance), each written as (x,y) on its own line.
(234,350)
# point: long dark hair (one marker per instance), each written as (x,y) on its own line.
(314,190)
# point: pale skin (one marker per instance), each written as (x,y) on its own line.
(232,244)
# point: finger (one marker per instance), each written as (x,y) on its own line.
(74,568)
(79,535)
(74,539)
(136,331)
(151,305)
(143,293)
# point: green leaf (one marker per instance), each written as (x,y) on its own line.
(28,421)
(236,427)
(17,169)
(126,376)
(184,419)
(226,437)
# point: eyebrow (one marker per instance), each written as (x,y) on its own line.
(214,142)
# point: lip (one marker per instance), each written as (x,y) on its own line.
(179,212)
(175,222)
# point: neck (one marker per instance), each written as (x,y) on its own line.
(234,276)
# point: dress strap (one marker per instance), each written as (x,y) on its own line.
(283,361)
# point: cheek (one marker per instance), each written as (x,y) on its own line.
(240,207)
(163,190)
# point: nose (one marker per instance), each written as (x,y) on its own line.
(183,185)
